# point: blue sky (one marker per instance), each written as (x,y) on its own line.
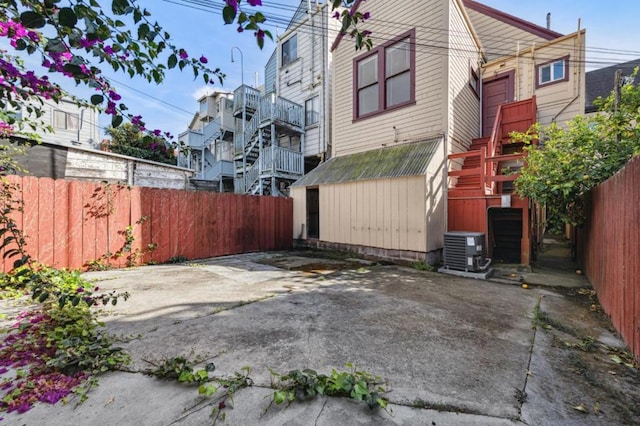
(200,30)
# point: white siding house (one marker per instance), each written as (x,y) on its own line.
(208,143)
(71,124)
(303,60)
(287,129)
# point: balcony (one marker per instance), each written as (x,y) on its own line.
(252,97)
(282,160)
(281,111)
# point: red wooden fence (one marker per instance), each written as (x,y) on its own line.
(70,223)
(612,250)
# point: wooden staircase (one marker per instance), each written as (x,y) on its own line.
(478,182)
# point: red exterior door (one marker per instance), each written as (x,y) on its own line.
(495,91)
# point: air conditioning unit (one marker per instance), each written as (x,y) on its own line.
(465,251)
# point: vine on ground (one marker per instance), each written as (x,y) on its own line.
(182,370)
(57,347)
(307,384)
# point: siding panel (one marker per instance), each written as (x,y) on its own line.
(412,123)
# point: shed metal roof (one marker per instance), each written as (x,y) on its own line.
(397,161)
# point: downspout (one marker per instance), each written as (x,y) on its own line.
(517,72)
(480,90)
(326,117)
(445,191)
(578,79)
(80,126)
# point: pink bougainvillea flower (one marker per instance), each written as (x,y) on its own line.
(203,59)
(255,2)
(113,95)
(183,54)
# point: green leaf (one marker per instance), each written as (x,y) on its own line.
(279,397)
(67,17)
(119,7)
(172,61)
(228,14)
(143,31)
(97,99)
(116,120)
(32,19)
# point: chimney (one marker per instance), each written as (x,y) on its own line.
(549,20)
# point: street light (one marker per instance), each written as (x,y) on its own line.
(244,117)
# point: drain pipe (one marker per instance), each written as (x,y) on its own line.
(445,191)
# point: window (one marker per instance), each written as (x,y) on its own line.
(290,50)
(312,111)
(64,120)
(385,77)
(474,80)
(204,107)
(552,72)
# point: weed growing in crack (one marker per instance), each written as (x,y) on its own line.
(422,266)
(301,385)
(221,389)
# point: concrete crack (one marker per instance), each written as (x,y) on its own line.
(321,410)
(521,394)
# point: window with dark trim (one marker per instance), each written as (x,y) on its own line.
(290,50)
(64,120)
(474,80)
(384,78)
(312,111)
(551,72)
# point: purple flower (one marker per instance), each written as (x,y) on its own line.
(183,54)
(80,290)
(108,50)
(113,95)
(111,108)
(255,2)
(366,16)
(157,132)
(336,15)
(203,59)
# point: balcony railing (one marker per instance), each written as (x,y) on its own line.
(281,109)
(487,172)
(216,171)
(250,130)
(283,160)
(192,139)
(252,97)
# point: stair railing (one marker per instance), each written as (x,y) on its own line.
(491,167)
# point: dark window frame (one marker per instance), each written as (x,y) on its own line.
(474,80)
(315,112)
(565,61)
(67,120)
(288,42)
(380,51)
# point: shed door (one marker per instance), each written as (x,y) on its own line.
(313,213)
(495,91)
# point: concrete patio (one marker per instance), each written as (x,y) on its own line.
(452,350)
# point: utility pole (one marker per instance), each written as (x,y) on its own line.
(617,85)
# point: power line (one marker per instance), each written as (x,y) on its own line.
(379,26)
